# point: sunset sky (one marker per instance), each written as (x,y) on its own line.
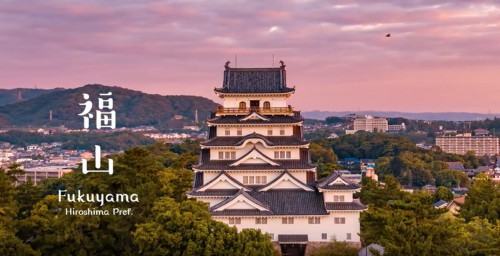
(443,55)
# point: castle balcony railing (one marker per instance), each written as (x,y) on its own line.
(263,111)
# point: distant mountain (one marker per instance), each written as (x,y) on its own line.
(133,108)
(445,116)
(9,96)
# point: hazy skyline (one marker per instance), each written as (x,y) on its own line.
(442,55)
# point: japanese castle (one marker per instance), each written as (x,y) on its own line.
(255,169)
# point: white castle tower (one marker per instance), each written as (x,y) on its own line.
(255,169)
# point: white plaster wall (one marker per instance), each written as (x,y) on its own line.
(212,201)
(285,184)
(221,130)
(240,206)
(328,196)
(269,152)
(301,226)
(208,176)
(222,185)
(234,102)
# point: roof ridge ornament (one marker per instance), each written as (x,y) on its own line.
(227,65)
(282,64)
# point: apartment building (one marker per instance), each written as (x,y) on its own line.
(482,145)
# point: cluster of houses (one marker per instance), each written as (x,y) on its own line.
(44,160)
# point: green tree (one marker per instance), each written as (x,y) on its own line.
(335,248)
(443,193)
(187,228)
(482,200)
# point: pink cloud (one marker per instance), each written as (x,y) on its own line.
(439,49)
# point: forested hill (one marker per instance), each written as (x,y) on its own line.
(9,96)
(133,108)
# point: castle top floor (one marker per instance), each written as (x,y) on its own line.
(263,89)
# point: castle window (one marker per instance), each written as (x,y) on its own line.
(314,220)
(234,220)
(324,236)
(348,236)
(264,179)
(221,155)
(276,154)
(243,105)
(286,220)
(251,180)
(339,198)
(239,131)
(270,132)
(288,154)
(228,132)
(282,131)
(233,155)
(257,179)
(260,220)
(267,105)
(227,155)
(339,220)
(245,179)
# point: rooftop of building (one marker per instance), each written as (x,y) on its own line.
(254,80)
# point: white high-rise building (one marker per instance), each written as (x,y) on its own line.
(255,169)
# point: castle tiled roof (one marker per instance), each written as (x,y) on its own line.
(233,119)
(269,140)
(246,195)
(225,165)
(206,164)
(281,202)
(214,192)
(228,176)
(254,80)
(355,206)
(325,183)
(291,176)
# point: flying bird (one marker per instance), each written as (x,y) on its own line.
(388,35)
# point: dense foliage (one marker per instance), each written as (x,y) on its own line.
(79,140)
(164,222)
(408,224)
(401,158)
(9,96)
(133,108)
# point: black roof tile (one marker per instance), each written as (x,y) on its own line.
(254,80)
(345,206)
(269,140)
(233,119)
(283,202)
(228,176)
(246,195)
(281,175)
(225,165)
(214,192)
(324,182)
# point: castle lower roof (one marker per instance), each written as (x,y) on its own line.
(281,202)
(276,119)
(269,140)
(353,206)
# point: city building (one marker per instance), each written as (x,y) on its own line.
(481,145)
(396,127)
(38,174)
(370,123)
(481,132)
(255,170)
